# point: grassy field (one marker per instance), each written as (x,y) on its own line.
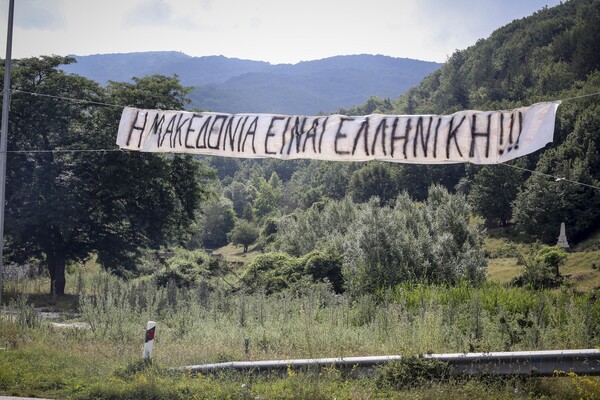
(196,326)
(581,268)
(201,326)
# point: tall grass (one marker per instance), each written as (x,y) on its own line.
(199,325)
(202,324)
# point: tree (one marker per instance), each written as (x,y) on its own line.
(493,190)
(49,210)
(144,200)
(269,196)
(244,233)
(240,195)
(410,242)
(64,205)
(375,179)
(218,220)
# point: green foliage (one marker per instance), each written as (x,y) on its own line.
(376,179)
(412,372)
(322,225)
(413,242)
(383,246)
(541,269)
(217,221)
(184,268)
(241,196)
(492,192)
(325,266)
(66,205)
(269,196)
(544,203)
(244,233)
(274,272)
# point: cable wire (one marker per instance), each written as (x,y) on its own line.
(65,151)
(582,96)
(67,98)
(555,177)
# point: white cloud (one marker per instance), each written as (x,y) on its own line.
(37,14)
(279,31)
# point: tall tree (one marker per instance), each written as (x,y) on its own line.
(493,190)
(64,204)
(49,213)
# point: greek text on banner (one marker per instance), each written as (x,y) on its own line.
(479,137)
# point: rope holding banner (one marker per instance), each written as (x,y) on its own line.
(149,341)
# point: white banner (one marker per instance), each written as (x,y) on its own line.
(479,137)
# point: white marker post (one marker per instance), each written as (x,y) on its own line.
(150,330)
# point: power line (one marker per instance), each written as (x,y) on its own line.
(120,106)
(68,98)
(582,96)
(66,151)
(555,177)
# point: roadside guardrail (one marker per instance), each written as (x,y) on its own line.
(523,363)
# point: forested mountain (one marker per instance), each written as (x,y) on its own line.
(233,85)
(553,54)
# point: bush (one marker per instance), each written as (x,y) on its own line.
(541,270)
(185,268)
(411,372)
(325,266)
(274,272)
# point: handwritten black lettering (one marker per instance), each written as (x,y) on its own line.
(437,129)
(520,130)
(364,130)
(340,135)
(135,127)
(311,134)
(189,130)
(270,133)
(180,125)
(251,132)
(216,119)
(380,129)
(203,133)
(452,135)
(168,131)
(156,127)
(324,126)
(419,132)
(475,134)
(241,134)
(404,137)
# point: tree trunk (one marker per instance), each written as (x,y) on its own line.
(56,269)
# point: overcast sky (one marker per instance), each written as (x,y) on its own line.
(277,31)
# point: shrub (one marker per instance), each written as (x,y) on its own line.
(321,266)
(185,268)
(542,269)
(272,272)
(411,372)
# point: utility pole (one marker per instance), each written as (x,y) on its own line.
(4,136)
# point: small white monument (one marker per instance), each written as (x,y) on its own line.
(562,238)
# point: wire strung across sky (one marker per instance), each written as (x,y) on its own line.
(555,177)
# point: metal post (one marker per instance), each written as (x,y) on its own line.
(4,136)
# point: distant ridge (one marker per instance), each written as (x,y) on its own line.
(233,85)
